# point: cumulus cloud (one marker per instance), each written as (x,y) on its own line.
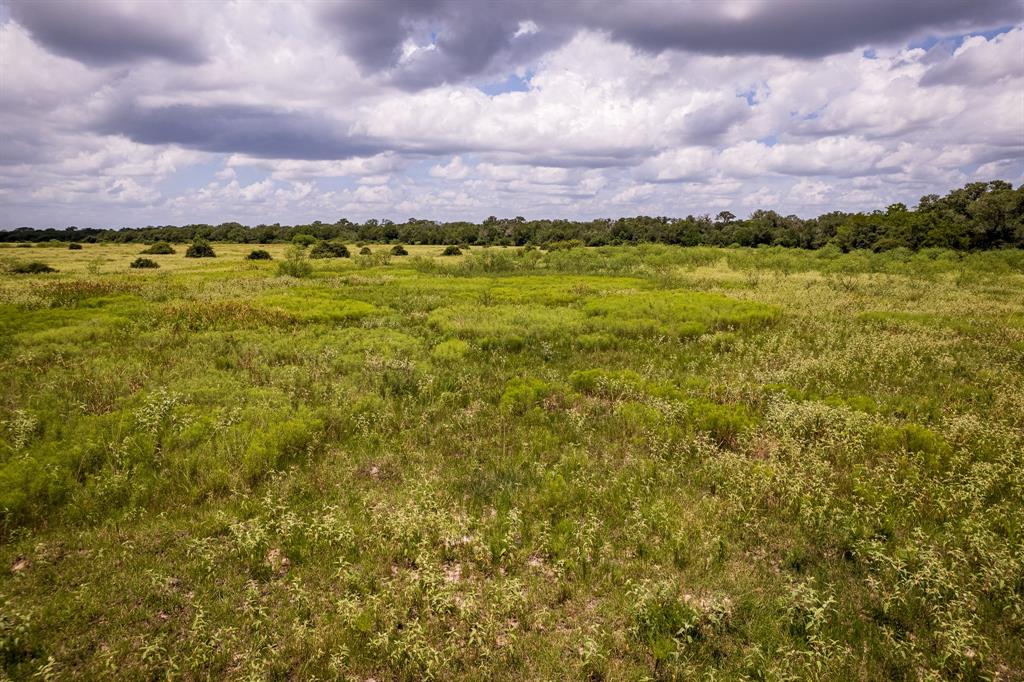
(283,112)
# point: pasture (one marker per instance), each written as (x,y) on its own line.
(647,462)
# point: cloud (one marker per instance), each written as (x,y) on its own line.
(113,31)
(258,131)
(303,111)
(467,39)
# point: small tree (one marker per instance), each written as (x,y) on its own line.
(200,248)
(140,263)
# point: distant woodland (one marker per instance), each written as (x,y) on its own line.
(981,215)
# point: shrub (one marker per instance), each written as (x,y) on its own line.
(365,251)
(564,245)
(158,249)
(32,268)
(144,263)
(399,250)
(295,263)
(200,248)
(74,246)
(451,251)
(259,254)
(451,350)
(303,239)
(329,250)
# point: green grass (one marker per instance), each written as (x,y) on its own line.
(614,463)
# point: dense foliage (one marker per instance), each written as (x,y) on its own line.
(144,264)
(200,248)
(613,463)
(981,215)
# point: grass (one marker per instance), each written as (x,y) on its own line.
(614,463)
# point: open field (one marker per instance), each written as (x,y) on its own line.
(614,463)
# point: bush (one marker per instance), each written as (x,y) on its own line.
(259,254)
(200,248)
(564,245)
(399,250)
(295,263)
(158,249)
(32,268)
(451,251)
(139,263)
(365,251)
(329,250)
(74,246)
(303,239)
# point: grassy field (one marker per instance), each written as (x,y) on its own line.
(615,463)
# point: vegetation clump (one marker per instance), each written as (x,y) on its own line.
(144,263)
(365,251)
(74,246)
(32,268)
(303,239)
(451,250)
(329,250)
(259,254)
(200,248)
(295,263)
(399,250)
(160,249)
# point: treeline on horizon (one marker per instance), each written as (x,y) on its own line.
(981,215)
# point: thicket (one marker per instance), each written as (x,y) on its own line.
(978,216)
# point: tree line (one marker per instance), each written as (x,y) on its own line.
(980,215)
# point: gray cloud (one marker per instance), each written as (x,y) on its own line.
(467,39)
(105,33)
(257,131)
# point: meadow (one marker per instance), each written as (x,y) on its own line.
(622,463)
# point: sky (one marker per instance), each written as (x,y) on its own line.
(120,113)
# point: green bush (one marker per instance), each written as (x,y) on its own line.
(451,251)
(259,254)
(295,264)
(32,268)
(399,250)
(74,246)
(142,263)
(200,248)
(365,251)
(329,250)
(303,240)
(159,249)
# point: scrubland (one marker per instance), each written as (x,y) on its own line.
(644,462)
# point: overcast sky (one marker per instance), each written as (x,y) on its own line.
(150,112)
